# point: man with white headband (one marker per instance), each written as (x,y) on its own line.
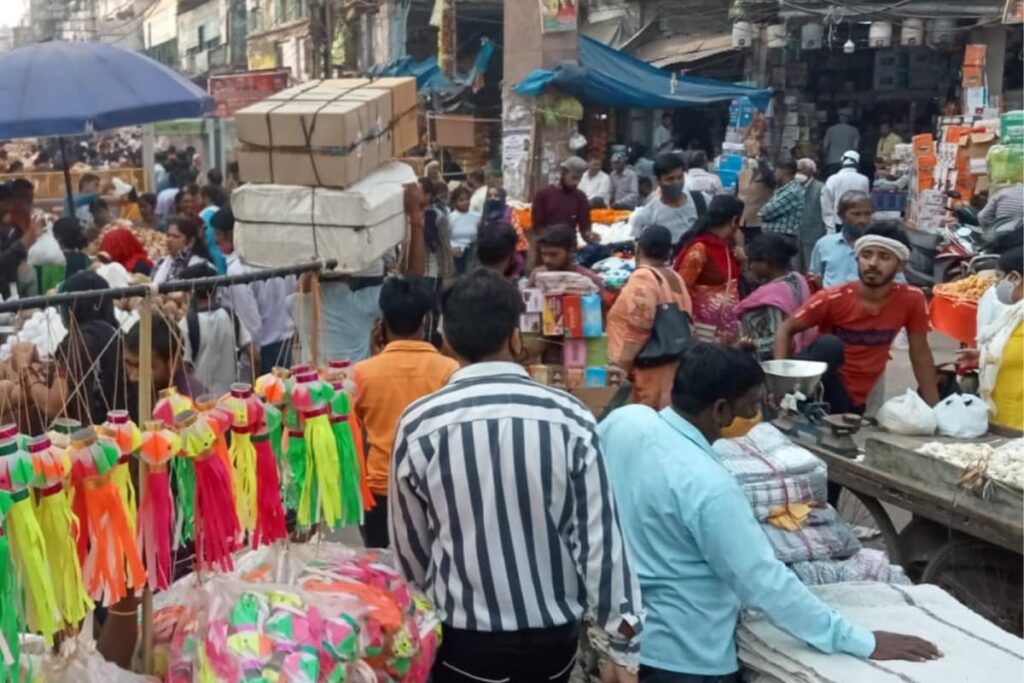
(857,322)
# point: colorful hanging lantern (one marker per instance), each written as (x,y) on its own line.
(274,388)
(270,518)
(217,530)
(112,545)
(10,599)
(58,524)
(120,429)
(321,491)
(60,436)
(247,414)
(158,448)
(26,538)
(170,406)
(348,461)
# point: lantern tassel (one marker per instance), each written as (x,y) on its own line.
(155,514)
(112,547)
(322,449)
(219,529)
(29,550)
(270,522)
(59,527)
(243,456)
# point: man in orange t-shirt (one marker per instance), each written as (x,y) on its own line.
(408,368)
(858,321)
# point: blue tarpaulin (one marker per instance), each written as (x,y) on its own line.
(612,78)
(428,74)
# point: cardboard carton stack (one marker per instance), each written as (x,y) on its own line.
(322,180)
(326,133)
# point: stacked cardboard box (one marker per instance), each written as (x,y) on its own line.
(327,133)
(318,160)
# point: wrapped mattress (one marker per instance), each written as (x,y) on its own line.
(280,225)
(974,650)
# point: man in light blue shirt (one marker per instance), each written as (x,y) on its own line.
(698,551)
(833,261)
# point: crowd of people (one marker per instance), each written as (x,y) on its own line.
(502,498)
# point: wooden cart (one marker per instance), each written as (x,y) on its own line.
(968,542)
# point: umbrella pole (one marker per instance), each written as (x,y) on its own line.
(67,175)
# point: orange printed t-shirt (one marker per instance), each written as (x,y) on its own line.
(385,386)
(866,336)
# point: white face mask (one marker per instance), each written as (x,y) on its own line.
(1004,291)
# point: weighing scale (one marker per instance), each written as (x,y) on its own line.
(794,405)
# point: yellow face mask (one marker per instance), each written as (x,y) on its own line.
(740,426)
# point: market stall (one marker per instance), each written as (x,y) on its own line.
(965,497)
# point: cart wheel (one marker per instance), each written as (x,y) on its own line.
(986,578)
(870,522)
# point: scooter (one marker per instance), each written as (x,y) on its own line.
(939,256)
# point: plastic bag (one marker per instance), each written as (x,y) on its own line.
(46,251)
(907,414)
(962,416)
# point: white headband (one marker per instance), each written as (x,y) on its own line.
(895,246)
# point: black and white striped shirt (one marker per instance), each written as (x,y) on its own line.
(501,511)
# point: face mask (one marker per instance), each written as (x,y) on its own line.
(1004,291)
(852,231)
(740,426)
(672,190)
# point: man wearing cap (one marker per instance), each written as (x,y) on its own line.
(858,321)
(563,203)
(625,184)
(848,179)
(839,138)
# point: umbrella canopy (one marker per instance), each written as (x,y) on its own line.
(64,88)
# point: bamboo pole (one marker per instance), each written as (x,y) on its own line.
(145,411)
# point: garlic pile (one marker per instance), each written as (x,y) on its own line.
(1004,463)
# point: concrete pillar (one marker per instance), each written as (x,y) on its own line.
(994,37)
(527,48)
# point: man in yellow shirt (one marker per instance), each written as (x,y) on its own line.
(885,154)
(405,370)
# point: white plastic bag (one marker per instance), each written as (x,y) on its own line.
(907,414)
(962,416)
(46,251)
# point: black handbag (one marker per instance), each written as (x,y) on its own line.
(670,335)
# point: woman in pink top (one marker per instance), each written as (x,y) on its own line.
(631,318)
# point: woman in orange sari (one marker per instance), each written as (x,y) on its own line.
(631,318)
(710,266)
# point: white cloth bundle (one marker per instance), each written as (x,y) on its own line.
(974,650)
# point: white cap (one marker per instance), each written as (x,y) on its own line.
(574,164)
(851,158)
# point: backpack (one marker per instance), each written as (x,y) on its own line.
(699,202)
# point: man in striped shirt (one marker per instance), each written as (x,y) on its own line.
(502,513)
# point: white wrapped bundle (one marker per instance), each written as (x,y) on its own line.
(974,650)
(280,225)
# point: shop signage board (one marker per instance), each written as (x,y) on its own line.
(237,91)
(1013,13)
(557,16)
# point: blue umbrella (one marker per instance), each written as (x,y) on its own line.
(62,88)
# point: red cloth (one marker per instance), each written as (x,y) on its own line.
(719,252)
(121,245)
(554,205)
(866,335)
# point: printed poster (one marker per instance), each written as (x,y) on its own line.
(557,16)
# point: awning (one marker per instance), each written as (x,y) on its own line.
(612,78)
(684,49)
